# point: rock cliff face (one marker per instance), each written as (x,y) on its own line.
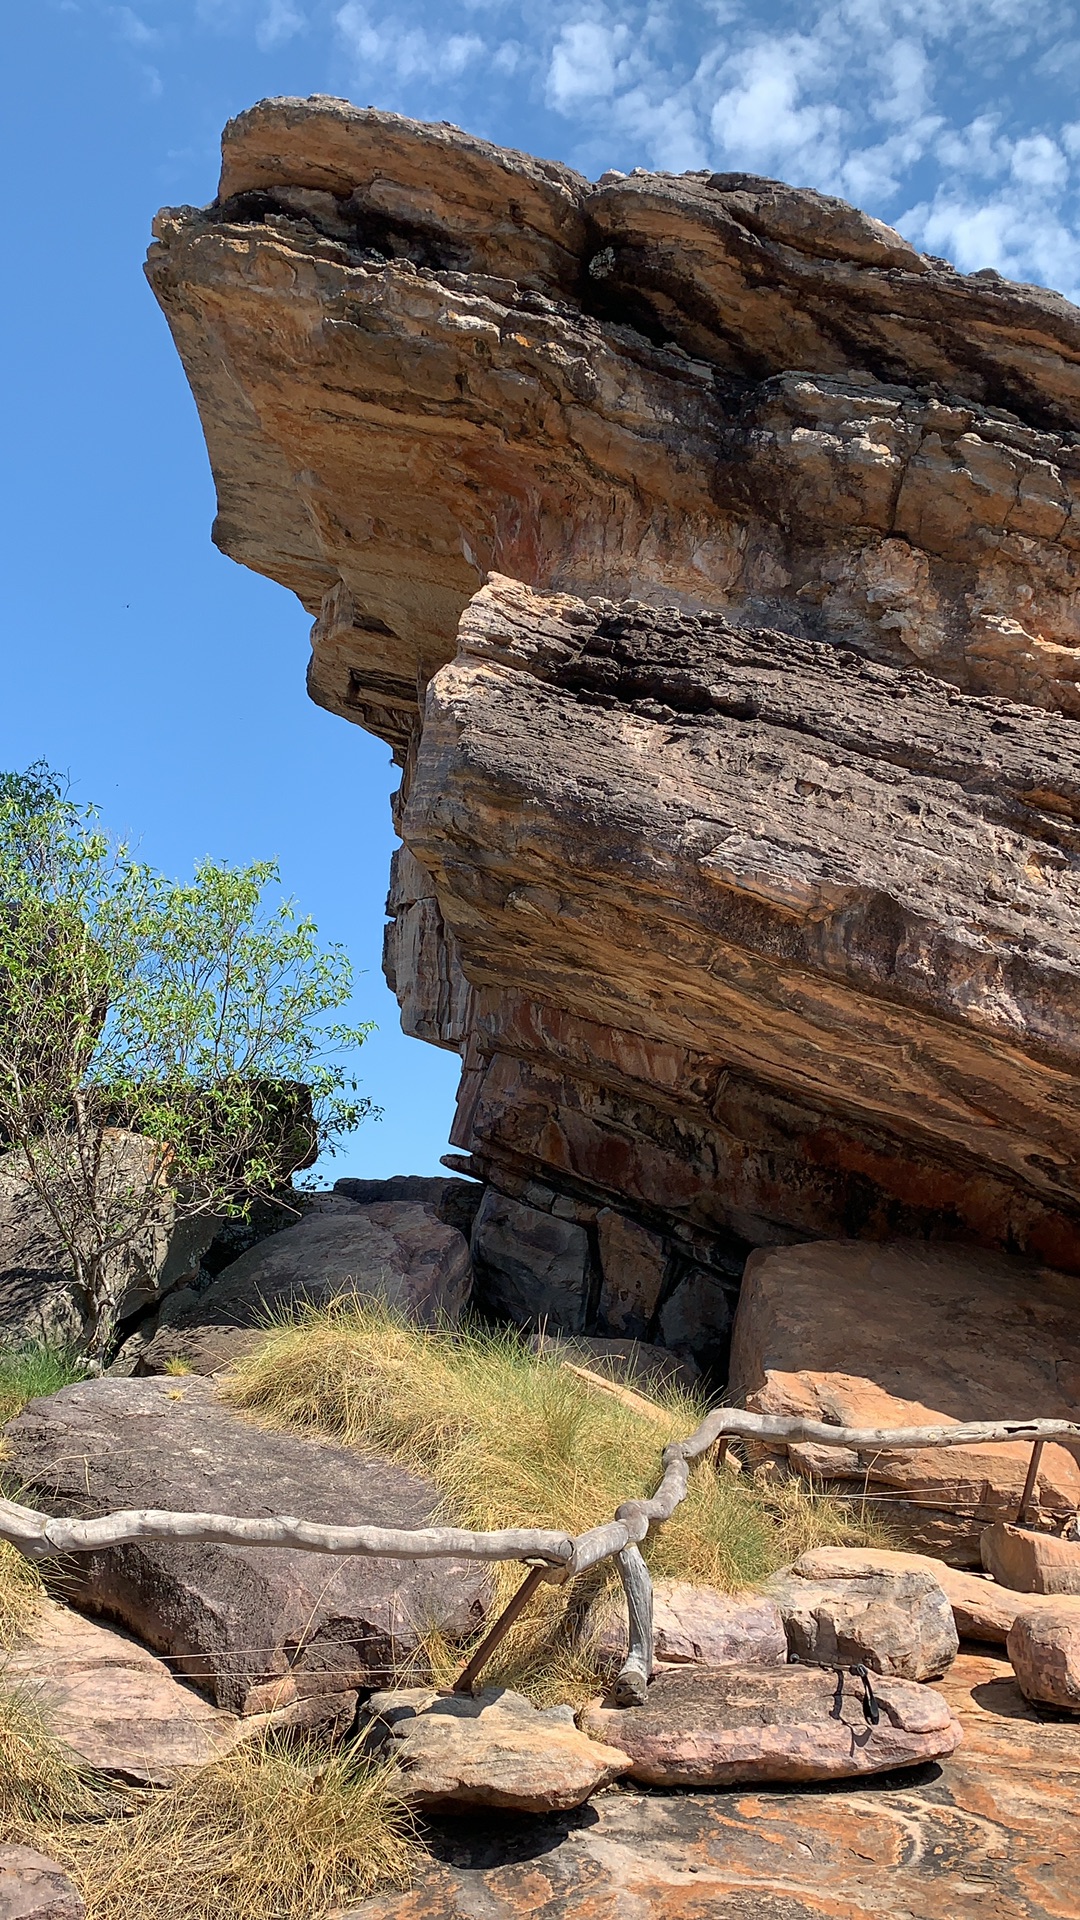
(739,807)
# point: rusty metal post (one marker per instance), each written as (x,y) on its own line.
(469,1675)
(1029,1483)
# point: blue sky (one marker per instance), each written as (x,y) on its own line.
(169,682)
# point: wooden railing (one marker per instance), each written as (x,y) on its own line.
(551,1556)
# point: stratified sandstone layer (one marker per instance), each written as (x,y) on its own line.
(740,809)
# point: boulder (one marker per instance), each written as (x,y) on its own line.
(895,1623)
(39,1297)
(455,1201)
(908,1335)
(114,1703)
(633,1362)
(490,1749)
(981,1609)
(531,1268)
(1044,1648)
(1030,1562)
(397,1251)
(32,1887)
(695,1624)
(727,1726)
(239,1620)
(633,1263)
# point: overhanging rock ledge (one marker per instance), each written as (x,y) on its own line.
(740,805)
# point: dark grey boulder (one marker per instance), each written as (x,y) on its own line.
(455,1201)
(258,1627)
(398,1252)
(531,1268)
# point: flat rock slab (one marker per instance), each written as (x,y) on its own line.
(981,1609)
(237,1619)
(1030,1562)
(697,1624)
(719,1726)
(1044,1648)
(893,1622)
(32,1887)
(491,1749)
(992,1833)
(912,1335)
(114,1703)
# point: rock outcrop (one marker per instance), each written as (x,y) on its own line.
(259,1628)
(739,808)
(912,1336)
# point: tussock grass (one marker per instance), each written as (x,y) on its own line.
(29,1371)
(513,1439)
(40,1780)
(270,1832)
(20,1590)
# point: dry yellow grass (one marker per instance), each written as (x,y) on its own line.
(271,1832)
(512,1439)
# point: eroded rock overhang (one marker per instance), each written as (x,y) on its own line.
(752,928)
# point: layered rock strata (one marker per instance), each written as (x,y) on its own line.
(739,808)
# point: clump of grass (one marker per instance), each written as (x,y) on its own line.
(30,1371)
(40,1780)
(270,1832)
(513,1439)
(20,1591)
(177,1364)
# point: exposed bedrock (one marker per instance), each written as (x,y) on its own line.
(739,808)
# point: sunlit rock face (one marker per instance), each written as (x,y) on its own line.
(740,807)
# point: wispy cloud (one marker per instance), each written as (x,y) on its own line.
(279,23)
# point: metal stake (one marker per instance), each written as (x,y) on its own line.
(1029,1483)
(468,1676)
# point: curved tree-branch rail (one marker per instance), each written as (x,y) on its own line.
(554,1557)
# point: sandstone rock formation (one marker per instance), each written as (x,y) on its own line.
(1044,1648)
(890,1621)
(694,1626)
(115,1704)
(739,809)
(33,1887)
(725,1726)
(490,1749)
(911,1335)
(1030,1562)
(259,1628)
(989,1834)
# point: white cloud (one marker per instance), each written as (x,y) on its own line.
(762,119)
(405,53)
(280,23)
(584,64)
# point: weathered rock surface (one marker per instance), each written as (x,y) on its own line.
(32,1887)
(491,1749)
(1044,1648)
(633,1265)
(1030,1562)
(455,1201)
(398,1251)
(40,1299)
(909,1335)
(990,1833)
(892,1622)
(696,1625)
(726,1726)
(530,1266)
(750,902)
(258,1627)
(114,1703)
(981,1609)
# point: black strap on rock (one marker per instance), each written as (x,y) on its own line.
(871,1708)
